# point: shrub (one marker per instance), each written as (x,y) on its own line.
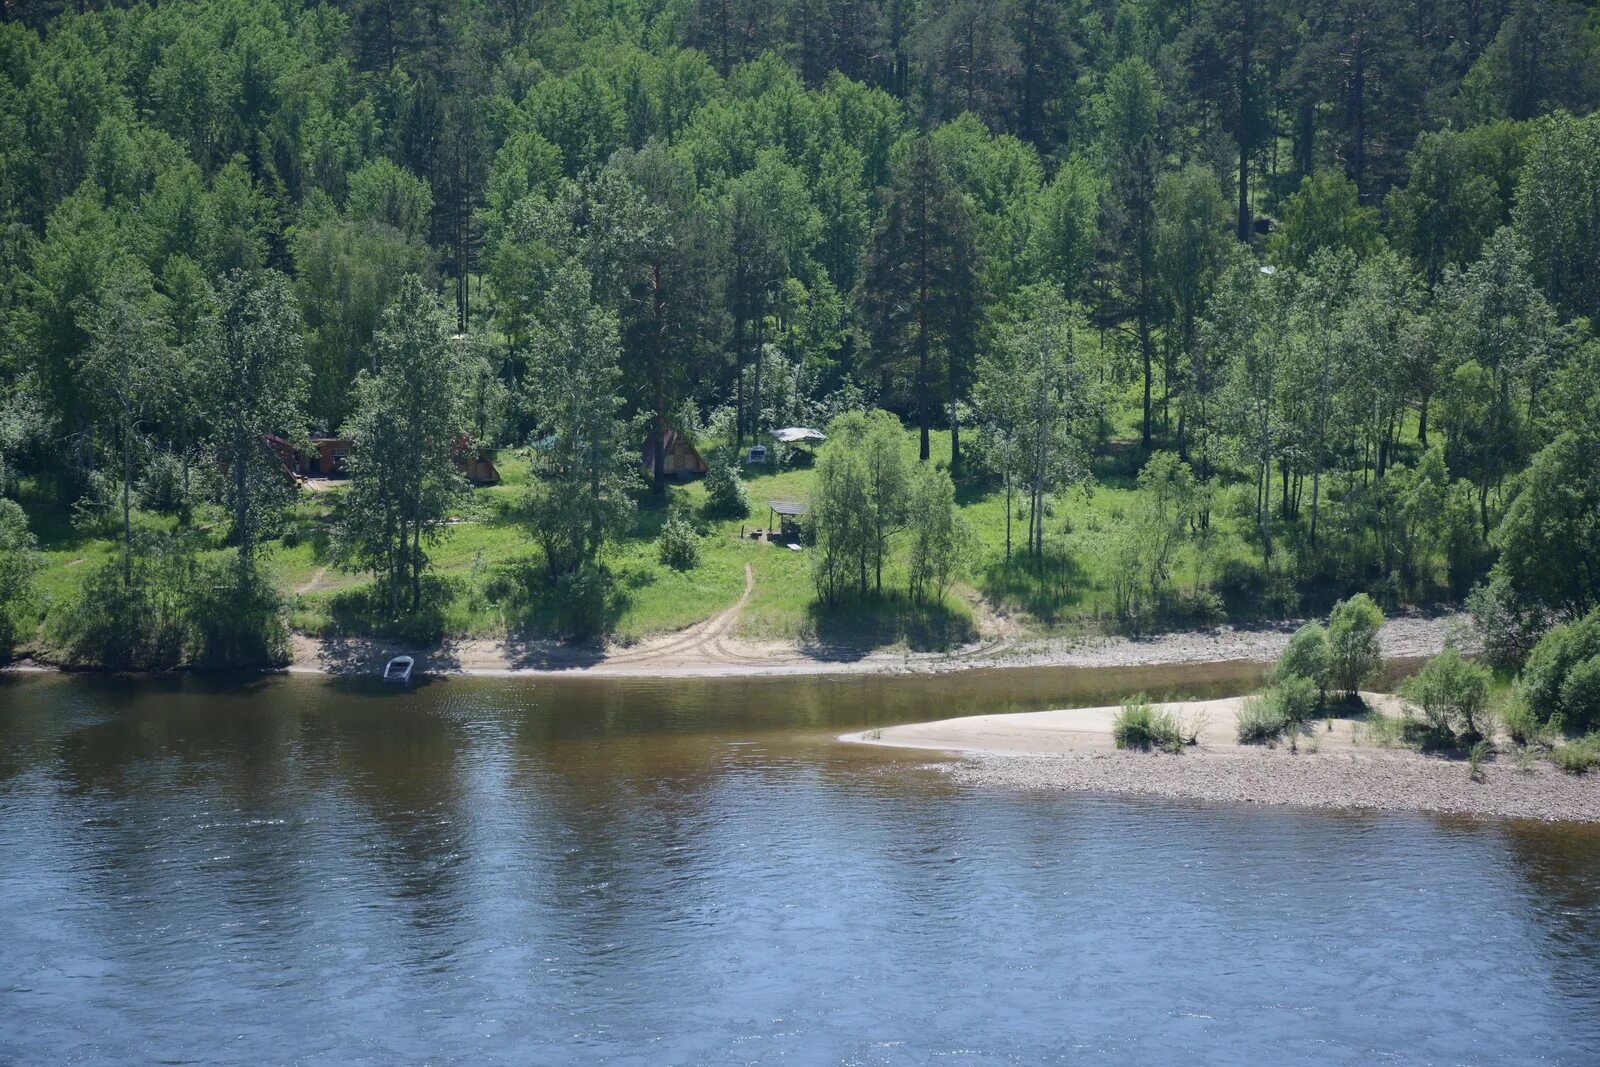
(1507,625)
(1452,694)
(679,544)
(166,486)
(235,625)
(1578,756)
(1306,656)
(1522,725)
(726,495)
(1259,722)
(18,563)
(1353,653)
(1580,696)
(1294,700)
(133,618)
(1140,725)
(1544,677)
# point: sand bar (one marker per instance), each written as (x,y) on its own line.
(1332,764)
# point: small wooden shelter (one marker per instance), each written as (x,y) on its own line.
(787,514)
(682,459)
(475,462)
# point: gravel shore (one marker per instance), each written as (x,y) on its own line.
(1393,782)
(1333,763)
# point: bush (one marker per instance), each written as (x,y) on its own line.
(1578,756)
(1580,696)
(1507,625)
(1544,677)
(679,544)
(234,625)
(1249,591)
(1140,725)
(1259,722)
(1295,700)
(1306,656)
(133,617)
(19,562)
(166,487)
(171,608)
(1522,725)
(1452,694)
(726,495)
(1353,653)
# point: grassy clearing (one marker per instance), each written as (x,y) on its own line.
(487,573)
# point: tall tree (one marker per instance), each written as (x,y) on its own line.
(1127,112)
(255,376)
(408,417)
(586,448)
(126,369)
(920,291)
(1230,46)
(1035,404)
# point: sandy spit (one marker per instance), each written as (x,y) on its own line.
(1337,767)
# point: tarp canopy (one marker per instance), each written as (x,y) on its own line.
(794,435)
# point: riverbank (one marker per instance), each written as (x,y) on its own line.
(1332,764)
(710,649)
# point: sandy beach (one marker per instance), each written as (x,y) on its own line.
(1331,764)
(710,649)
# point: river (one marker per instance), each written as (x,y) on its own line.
(303,869)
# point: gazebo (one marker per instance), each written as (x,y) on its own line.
(787,515)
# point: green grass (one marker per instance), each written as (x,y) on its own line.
(487,572)
(1140,725)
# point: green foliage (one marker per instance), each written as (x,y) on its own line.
(679,543)
(939,539)
(1295,700)
(727,496)
(1140,725)
(1452,694)
(408,417)
(1260,722)
(1306,656)
(19,563)
(1353,654)
(1578,756)
(1580,695)
(1550,536)
(1324,213)
(1557,656)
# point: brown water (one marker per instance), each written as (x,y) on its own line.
(309,870)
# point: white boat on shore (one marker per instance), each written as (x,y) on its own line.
(398,670)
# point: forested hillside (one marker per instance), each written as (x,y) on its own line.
(1180,311)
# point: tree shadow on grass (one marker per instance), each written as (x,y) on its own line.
(573,611)
(856,628)
(1046,587)
(1116,465)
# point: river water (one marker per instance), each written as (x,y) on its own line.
(308,870)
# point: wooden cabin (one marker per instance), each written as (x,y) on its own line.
(682,460)
(475,463)
(327,456)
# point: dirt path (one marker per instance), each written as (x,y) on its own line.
(707,642)
(316,583)
(709,648)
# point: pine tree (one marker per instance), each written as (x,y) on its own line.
(920,294)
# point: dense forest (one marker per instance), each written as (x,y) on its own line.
(1150,312)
